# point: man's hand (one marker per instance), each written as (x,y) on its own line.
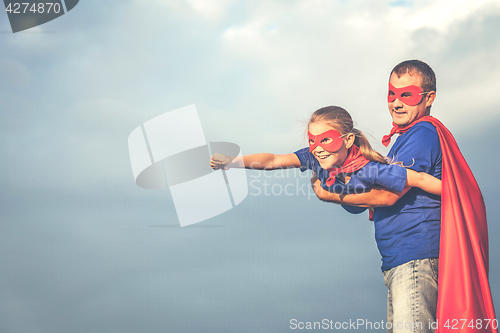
(375,197)
(314,178)
(325,195)
(322,194)
(316,186)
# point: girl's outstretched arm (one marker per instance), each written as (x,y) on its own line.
(424,181)
(262,161)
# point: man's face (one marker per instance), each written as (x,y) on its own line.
(401,113)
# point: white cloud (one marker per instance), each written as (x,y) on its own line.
(440,15)
(75,221)
(211,9)
(310,54)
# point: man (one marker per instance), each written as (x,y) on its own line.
(408,232)
(408,224)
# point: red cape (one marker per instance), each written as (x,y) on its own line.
(464,291)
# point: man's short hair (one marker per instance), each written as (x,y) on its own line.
(420,67)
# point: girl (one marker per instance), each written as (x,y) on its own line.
(341,158)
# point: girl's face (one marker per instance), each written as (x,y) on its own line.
(328,159)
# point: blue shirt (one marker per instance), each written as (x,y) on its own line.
(410,229)
(372,174)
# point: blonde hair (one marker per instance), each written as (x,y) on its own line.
(341,120)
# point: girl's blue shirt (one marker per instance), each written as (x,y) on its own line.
(390,176)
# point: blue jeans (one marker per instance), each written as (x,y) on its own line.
(412,296)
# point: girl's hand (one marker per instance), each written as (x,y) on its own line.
(219,161)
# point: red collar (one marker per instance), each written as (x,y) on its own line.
(396,129)
(354,161)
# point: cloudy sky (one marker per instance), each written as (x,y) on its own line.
(83,249)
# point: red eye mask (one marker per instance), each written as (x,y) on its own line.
(409,95)
(332,146)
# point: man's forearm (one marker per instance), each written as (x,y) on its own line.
(376,197)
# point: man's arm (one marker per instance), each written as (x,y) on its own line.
(411,154)
(376,197)
(424,181)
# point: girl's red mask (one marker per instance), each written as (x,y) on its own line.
(334,145)
(409,95)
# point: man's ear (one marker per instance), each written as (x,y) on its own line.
(349,140)
(429,98)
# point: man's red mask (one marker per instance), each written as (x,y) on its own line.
(409,95)
(334,145)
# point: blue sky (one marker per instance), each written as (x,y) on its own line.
(86,250)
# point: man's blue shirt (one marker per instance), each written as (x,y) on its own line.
(410,229)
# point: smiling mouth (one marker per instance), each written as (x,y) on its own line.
(323,157)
